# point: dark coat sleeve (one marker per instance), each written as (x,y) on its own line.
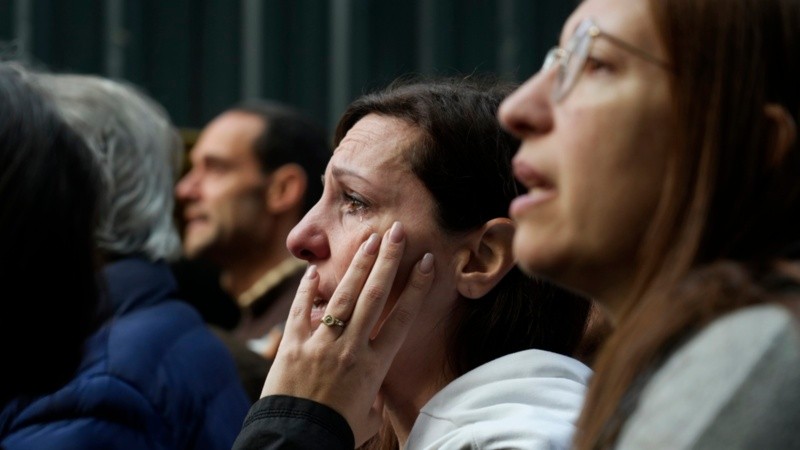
(280,422)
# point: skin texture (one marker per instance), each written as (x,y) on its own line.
(369,185)
(593,162)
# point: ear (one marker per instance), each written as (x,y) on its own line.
(287,187)
(488,260)
(783,131)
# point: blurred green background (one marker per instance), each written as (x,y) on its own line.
(197,57)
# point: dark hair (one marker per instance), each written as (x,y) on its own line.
(48,195)
(464,160)
(731,202)
(290,137)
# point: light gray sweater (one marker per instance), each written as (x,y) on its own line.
(735,385)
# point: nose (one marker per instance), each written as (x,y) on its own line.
(308,239)
(528,110)
(186,189)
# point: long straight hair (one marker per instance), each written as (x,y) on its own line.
(731,201)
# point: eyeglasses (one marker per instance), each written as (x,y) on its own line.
(572,59)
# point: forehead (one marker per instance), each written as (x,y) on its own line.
(629,20)
(377,142)
(230,135)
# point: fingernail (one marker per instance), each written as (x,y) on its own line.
(396,235)
(311,272)
(426,265)
(372,244)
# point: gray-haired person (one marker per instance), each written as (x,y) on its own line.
(153,376)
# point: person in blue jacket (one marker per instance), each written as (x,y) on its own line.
(153,375)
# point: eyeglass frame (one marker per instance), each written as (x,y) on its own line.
(585,34)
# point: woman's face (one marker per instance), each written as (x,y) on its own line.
(368,186)
(594,161)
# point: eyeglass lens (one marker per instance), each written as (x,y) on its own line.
(574,58)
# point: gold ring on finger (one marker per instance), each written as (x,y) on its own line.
(331,321)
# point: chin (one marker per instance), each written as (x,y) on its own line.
(529,248)
(538,257)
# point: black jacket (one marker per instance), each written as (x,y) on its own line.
(280,422)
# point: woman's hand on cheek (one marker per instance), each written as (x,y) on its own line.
(340,366)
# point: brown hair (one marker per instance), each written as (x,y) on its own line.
(464,160)
(290,136)
(731,201)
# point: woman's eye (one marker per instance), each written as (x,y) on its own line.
(596,65)
(353,204)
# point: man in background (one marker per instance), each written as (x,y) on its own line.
(256,170)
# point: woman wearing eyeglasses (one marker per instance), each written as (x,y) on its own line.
(660,152)
(661,159)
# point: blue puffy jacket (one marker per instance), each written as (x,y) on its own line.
(153,377)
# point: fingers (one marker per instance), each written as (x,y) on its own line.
(344,299)
(399,321)
(297,323)
(379,283)
(274,337)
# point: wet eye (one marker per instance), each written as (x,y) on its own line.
(353,204)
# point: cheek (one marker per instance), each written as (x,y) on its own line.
(418,242)
(235,212)
(344,244)
(217,189)
(222,198)
(615,183)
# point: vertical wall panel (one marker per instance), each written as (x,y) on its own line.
(133,48)
(171,36)
(437,31)
(218,61)
(477,36)
(306,63)
(343,46)
(275,48)
(8,17)
(15,26)
(392,41)
(252,48)
(67,37)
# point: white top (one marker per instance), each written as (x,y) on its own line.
(526,400)
(735,385)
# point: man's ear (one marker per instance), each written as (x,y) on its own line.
(489,258)
(286,189)
(783,131)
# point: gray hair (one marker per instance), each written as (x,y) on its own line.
(139,153)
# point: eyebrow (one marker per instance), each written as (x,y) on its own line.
(214,158)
